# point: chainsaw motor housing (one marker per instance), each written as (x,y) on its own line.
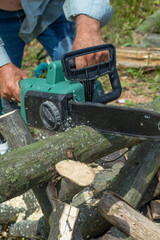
(45,103)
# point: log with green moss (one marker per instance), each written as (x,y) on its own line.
(99,145)
(31,165)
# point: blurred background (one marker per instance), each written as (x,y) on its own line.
(135,31)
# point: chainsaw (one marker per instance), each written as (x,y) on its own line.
(69,97)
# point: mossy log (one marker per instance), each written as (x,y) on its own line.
(110,148)
(34,164)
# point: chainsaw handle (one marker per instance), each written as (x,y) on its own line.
(95,71)
(89,72)
(116,90)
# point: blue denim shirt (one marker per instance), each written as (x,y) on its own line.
(41,13)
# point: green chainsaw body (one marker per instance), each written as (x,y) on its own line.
(71,96)
(55,84)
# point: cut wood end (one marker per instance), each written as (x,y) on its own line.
(77,172)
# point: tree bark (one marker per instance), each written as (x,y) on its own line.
(91,157)
(138,173)
(14,130)
(127,219)
(24,168)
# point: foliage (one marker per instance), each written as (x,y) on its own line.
(128,15)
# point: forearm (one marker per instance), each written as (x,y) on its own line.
(87,26)
(4,58)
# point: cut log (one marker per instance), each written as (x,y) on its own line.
(138,173)
(62,221)
(91,227)
(90,221)
(155,209)
(25,167)
(14,129)
(127,219)
(138,57)
(77,172)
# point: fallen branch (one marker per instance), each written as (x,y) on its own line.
(138,57)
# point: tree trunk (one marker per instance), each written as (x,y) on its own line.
(127,219)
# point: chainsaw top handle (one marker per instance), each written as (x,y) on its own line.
(94,71)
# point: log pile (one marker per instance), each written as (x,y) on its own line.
(87,204)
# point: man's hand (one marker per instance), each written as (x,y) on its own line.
(88,35)
(10,75)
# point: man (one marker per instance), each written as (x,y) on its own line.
(59,25)
(36,19)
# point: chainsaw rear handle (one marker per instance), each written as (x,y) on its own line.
(95,71)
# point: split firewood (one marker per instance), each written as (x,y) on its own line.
(62,221)
(127,219)
(86,200)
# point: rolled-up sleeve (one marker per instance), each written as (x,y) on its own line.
(98,9)
(4,58)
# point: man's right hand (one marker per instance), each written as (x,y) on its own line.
(10,75)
